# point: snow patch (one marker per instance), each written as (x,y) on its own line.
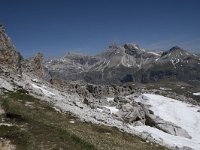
(165,89)
(113,110)
(110,99)
(43,89)
(154,53)
(6,124)
(196,94)
(182,114)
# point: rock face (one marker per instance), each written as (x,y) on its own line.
(132,113)
(9,57)
(92,90)
(35,66)
(175,62)
(127,63)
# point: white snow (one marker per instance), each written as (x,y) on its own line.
(180,113)
(195,55)
(43,89)
(6,124)
(72,121)
(110,99)
(99,109)
(165,89)
(163,138)
(196,94)
(154,53)
(113,110)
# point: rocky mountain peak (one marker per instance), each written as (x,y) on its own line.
(176,50)
(9,57)
(5,42)
(133,49)
(114,46)
(132,46)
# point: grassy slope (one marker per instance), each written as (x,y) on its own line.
(38,126)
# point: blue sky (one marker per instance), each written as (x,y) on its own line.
(89,26)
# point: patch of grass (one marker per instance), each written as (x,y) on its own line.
(101,129)
(16,135)
(41,127)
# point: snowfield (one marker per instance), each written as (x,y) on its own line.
(182,114)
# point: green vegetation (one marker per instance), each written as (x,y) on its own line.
(38,126)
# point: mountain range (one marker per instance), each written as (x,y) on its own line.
(126,63)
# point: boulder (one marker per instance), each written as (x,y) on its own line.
(165,126)
(131,113)
(92,103)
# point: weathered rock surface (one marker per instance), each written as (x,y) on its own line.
(165,126)
(9,57)
(35,67)
(139,114)
(131,113)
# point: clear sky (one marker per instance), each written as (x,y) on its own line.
(89,26)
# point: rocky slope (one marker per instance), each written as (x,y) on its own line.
(127,63)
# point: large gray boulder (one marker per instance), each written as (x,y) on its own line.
(131,113)
(165,126)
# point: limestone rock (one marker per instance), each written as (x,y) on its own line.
(9,57)
(131,113)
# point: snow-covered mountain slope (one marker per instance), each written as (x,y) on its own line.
(177,55)
(176,63)
(185,115)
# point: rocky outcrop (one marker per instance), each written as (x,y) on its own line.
(93,90)
(9,57)
(35,66)
(138,114)
(132,113)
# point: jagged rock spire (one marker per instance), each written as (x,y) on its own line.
(9,57)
